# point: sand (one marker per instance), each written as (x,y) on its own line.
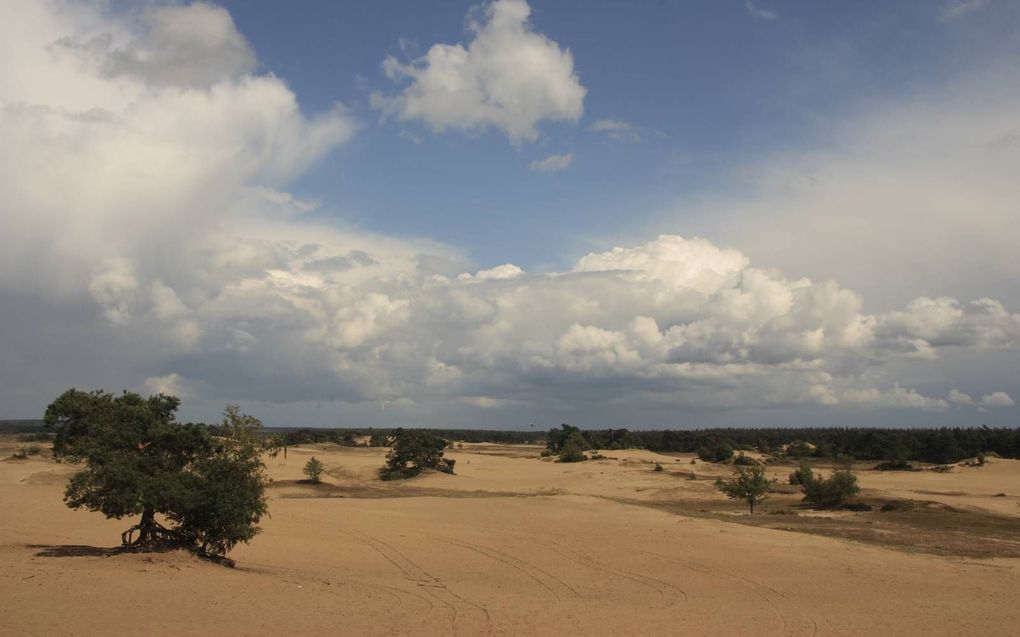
(511,545)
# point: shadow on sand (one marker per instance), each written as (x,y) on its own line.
(73,550)
(84,550)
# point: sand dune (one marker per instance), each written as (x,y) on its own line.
(510,545)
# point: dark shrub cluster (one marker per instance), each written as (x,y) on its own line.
(413,451)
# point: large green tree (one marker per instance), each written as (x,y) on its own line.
(413,451)
(138,460)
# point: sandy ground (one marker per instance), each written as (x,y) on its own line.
(511,545)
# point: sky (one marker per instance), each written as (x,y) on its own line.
(497,215)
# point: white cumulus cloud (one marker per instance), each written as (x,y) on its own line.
(509,77)
(997,399)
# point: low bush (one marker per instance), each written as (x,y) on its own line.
(716,451)
(313,469)
(803,474)
(833,491)
(572,448)
(745,461)
(800,449)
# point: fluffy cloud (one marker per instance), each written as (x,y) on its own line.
(552,163)
(509,77)
(997,399)
(957,397)
(196,45)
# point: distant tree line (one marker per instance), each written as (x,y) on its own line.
(383,437)
(938,446)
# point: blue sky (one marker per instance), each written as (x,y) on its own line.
(500,213)
(711,87)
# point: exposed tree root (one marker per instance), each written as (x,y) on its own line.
(153,536)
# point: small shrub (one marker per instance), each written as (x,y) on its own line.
(803,474)
(744,461)
(717,451)
(833,491)
(313,469)
(748,484)
(25,451)
(800,449)
(572,447)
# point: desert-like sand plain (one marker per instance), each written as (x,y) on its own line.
(516,545)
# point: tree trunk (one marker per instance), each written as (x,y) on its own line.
(150,532)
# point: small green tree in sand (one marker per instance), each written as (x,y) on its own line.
(573,448)
(313,469)
(748,484)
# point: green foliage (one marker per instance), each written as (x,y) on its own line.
(223,498)
(140,461)
(559,438)
(415,450)
(833,491)
(748,484)
(803,474)
(745,461)
(799,449)
(313,469)
(716,451)
(572,448)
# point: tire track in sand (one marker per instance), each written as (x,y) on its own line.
(546,579)
(459,609)
(779,603)
(662,588)
(458,606)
